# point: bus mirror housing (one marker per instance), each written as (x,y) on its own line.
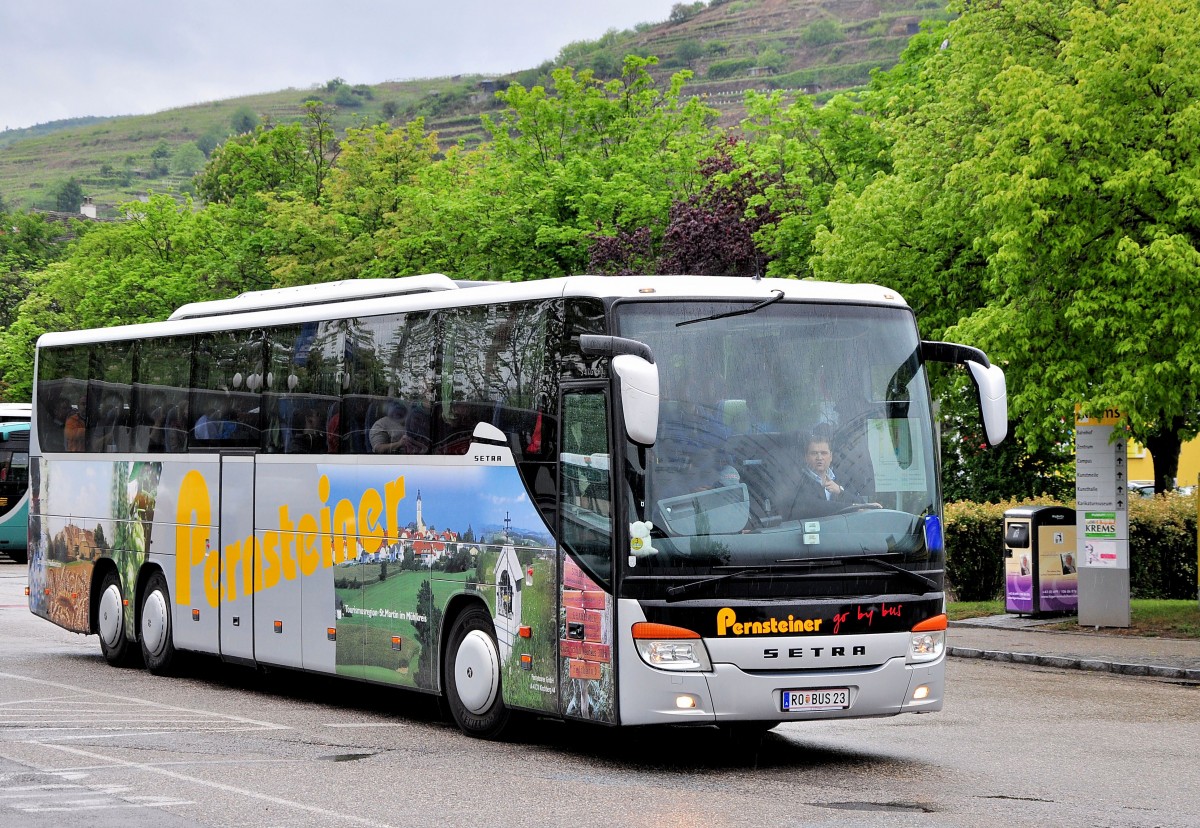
(638,380)
(993,400)
(988,379)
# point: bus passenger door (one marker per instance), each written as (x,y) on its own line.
(237,557)
(586,550)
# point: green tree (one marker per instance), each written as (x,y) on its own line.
(799,156)
(689,51)
(427,662)
(243,121)
(69,196)
(1051,146)
(588,156)
(822,33)
(210,140)
(187,159)
(136,270)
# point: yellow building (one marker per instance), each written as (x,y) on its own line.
(1141,464)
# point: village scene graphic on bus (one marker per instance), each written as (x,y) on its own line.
(460,530)
(63,550)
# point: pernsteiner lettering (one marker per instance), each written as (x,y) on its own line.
(298,547)
(727,624)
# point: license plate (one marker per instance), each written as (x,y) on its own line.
(829,698)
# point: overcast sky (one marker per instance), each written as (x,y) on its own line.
(71,58)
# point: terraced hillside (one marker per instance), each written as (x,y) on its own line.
(805,46)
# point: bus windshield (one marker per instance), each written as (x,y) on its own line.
(789,436)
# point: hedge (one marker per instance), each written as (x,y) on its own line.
(1162,547)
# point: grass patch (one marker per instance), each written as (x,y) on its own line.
(1147,618)
(960,610)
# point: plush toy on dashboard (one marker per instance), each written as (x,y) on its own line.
(639,541)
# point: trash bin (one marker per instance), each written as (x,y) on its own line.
(1039,561)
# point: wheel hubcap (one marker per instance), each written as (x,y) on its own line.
(477,671)
(154,622)
(112,617)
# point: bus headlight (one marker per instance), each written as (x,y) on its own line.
(928,640)
(671,648)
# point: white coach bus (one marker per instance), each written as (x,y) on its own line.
(587,497)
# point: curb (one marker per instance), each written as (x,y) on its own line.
(1070,663)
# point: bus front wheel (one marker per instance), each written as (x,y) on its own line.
(110,621)
(158,649)
(471,675)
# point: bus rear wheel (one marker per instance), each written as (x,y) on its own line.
(110,621)
(471,676)
(158,648)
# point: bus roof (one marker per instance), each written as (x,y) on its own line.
(10,412)
(319,294)
(337,300)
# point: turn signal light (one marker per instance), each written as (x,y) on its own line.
(644,630)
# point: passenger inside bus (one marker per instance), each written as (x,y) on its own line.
(307,436)
(216,423)
(75,428)
(389,434)
(53,437)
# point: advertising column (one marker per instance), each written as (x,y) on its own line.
(1102,520)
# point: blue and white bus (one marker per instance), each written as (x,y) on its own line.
(584,497)
(14,480)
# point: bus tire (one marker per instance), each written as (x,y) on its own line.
(471,674)
(110,621)
(158,648)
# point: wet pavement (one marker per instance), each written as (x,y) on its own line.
(1027,640)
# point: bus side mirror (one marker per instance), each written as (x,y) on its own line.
(988,379)
(638,380)
(993,400)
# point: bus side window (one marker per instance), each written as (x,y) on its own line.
(586,484)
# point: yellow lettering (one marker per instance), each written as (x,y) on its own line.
(249,554)
(287,544)
(345,529)
(370,509)
(393,493)
(193,516)
(229,561)
(310,556)
(725,617)
(266,563)
(326,524)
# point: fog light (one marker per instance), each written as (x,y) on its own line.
(685,702)
(921,692)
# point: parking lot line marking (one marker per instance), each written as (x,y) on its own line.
(144,702)
(340,816)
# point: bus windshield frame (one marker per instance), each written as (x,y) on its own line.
(744,396)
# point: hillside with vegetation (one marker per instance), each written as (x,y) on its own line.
(817,47)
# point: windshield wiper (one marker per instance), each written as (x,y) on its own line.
(676,592)
(741,311)
(878,560)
